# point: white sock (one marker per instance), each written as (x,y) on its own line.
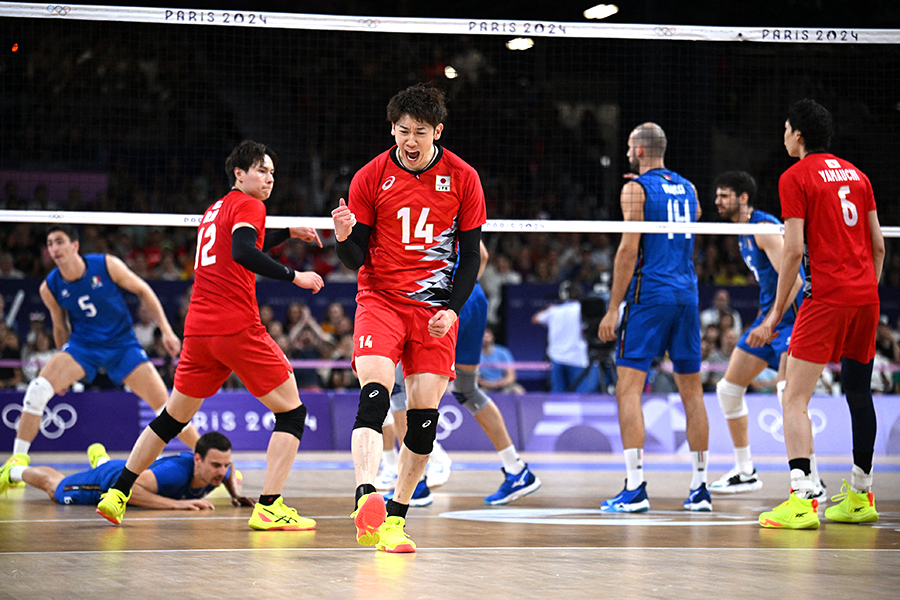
(391,459)
(512,464)
(801,484)
(860,482)
(15,473)
(21,446)
(743,461)
(634,468)
(102,461)
(698,463)
(814,470)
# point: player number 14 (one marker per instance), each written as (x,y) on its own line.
(424,230)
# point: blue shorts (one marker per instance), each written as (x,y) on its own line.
(85,488)
(649,332)
(118,360)
(472,321)
(771,352)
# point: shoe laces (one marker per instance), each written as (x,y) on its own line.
(845,491)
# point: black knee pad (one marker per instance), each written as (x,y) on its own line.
(421,429)
(166,427)
(374,404)
(292,422)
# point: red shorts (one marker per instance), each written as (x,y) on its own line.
(824,333)
(386,327)
(207,361)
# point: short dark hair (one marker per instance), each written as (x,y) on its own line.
(214,440)
(422,102)
(69,230)
(741,182)
(814,123)
(245,155)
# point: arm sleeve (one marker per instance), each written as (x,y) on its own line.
(467,272)
(245,253)
(275,237)
(352,251)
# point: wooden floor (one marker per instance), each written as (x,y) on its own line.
(552,544)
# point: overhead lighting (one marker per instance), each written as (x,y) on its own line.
(601,11)
(450,72)
(520,43)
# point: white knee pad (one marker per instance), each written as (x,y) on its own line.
(37,396)
(779,391)
(731,399)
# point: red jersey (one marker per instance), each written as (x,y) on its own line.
(224,298)
(834,198)
(415,220)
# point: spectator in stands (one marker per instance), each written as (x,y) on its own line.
(342,378)
(566,347)
(8,268)
(333,315)
(721,305)
(167,269)
(307,346)
(497,274)
(266,316)
(10,377)
(144,327)
(497,378)
(37,354)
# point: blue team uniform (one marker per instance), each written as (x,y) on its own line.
(102,334)
(767,277)
(173,478)
(472,322)
(661,313)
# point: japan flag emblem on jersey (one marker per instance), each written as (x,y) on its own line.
(442,183)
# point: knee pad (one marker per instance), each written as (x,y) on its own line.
(166,427)
(292,422)
(731,399)
(421,429)
(467,392)
(37,396)
(374,404)
(159,410)
(779,391)
(389,419)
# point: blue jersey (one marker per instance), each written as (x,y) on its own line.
(664,272)
(758,262)
(97,311)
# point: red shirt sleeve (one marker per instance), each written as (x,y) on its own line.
(252,211)
(792,194)
(472,212)
(361,197)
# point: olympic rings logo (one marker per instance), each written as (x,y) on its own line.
(53,423)
(369,23)
(771,421)
(58,10)
(451,418)
(664,31)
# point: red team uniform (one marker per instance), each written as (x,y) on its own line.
(222,330)
(840,310)
(407,275)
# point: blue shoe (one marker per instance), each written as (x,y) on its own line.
(421,495)
(514,487)
(628,501)
(699,500)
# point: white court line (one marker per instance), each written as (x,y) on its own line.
(456,549)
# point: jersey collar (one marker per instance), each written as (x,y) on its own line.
(434,161)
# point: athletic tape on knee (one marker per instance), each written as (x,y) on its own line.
(374,404)
(292,422)
(421,429)
(37,396)
(467,392)
(166,427)
(779,391)
(731,399)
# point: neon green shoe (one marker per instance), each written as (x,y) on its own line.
(12,461)
(112,505)
(278,517)
(96,452)
(853,507)
(368,517)
(392,538)
(793,513)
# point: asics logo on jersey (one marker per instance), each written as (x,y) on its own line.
(373,394)
(426,423)
(388,183)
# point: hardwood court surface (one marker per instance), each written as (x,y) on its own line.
(552,544)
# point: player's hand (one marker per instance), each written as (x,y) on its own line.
(171,343)
(195,504)
(441,322)
(762,334)
(242,501)
(607,329)
(307,234)
(344,220)
(309,280)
